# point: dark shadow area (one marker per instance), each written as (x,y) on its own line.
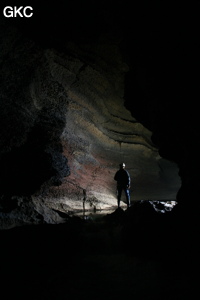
(134,253)
(161,88)
(160,46)
(26,168)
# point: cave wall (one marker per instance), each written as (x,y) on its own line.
(67,74)
(65,128)
(31,152)
(100,132)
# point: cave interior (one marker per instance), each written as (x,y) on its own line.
(83,87)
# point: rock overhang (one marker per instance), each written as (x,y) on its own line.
(77,93)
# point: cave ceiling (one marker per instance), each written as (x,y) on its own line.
(84,88)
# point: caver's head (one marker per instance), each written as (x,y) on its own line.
(122,165)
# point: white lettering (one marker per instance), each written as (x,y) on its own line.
(30,15)
(17,11)
(10,12)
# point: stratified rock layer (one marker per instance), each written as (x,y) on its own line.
(66,129)
(100,132)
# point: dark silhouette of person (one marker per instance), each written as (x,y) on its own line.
(123,183)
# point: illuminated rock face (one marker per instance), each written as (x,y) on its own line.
(100,133)
(70,115)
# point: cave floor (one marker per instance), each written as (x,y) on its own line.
(87,260)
